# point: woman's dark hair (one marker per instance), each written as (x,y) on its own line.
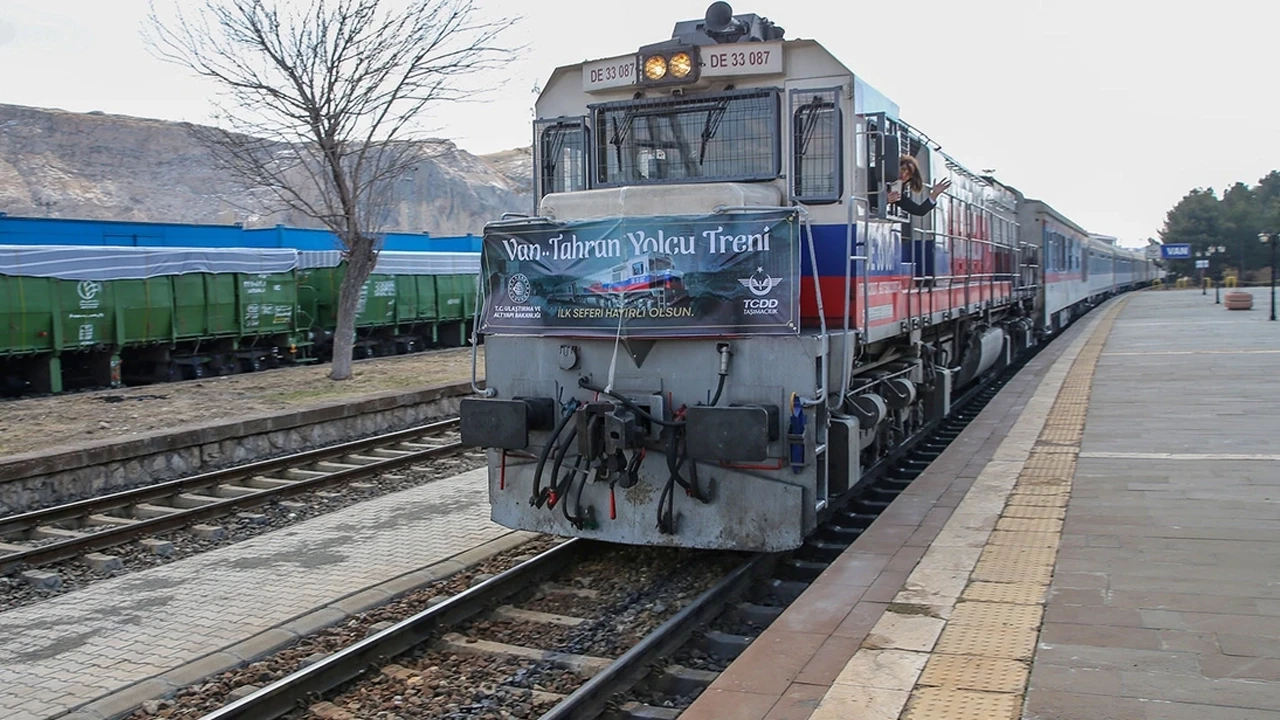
(908,166)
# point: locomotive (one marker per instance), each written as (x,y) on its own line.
(801,328)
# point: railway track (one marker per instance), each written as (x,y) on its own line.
(49,535)
(645,680)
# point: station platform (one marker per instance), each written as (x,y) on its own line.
(1101,543)
(98,652)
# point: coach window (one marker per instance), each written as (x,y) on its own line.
(815,146)
(561,150)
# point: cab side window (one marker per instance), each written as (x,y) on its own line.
(816,148)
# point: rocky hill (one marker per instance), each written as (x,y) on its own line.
(112,167)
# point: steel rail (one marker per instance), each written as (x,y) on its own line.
(593,696)
(111,536)
(283,696)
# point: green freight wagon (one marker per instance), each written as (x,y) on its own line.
(93,316)
(96,316)
(410,302)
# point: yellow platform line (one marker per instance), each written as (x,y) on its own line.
(981,663)
(958,639)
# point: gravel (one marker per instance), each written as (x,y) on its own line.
(197,700)
(624,594)
(63,421)
(76,574)
(631,591)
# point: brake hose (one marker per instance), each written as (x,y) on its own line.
(535,499)
(561,452)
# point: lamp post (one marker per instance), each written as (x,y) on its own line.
(1204,289)
(1217,286)
(1271,239)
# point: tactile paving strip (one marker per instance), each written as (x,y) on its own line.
(1025,539)
(964,672)
(1035,513)
(980,664)
(1028,525)
(997,614)
(1057,447)
(950,704)
(1057,488)
(1012,573)
(999,641)
(1019,499)
(1025,593)
(1019,555)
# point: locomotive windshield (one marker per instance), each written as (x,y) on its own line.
(724,137)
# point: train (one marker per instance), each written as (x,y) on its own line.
(87,304)
(819,328)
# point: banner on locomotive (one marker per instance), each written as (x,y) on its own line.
(657,276)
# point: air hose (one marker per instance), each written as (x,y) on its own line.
(536,499)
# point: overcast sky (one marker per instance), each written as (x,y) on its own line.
(1110,110)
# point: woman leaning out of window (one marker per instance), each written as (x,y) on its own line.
(913,184)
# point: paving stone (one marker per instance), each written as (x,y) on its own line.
(195,671)
(314,621)
(231,600)
(128,698)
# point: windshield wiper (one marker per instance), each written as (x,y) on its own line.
(813,108)
(621,128)
(711,126)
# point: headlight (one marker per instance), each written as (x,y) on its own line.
(655,67)
(681,64)
(661,65)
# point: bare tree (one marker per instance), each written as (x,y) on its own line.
(321,101)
